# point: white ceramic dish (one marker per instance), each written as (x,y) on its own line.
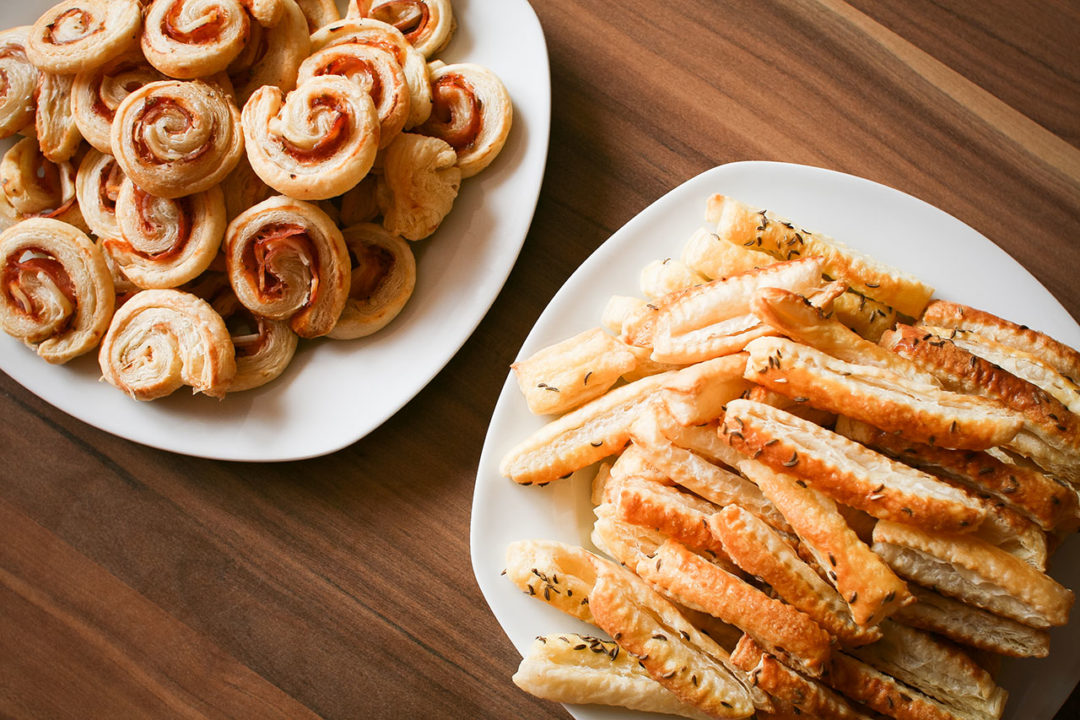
(334,392)
(916,237)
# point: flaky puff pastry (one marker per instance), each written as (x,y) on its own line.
(471,110)
(428,25)
(56,131)
(98,92)
(164,243)
(272,54)
(317,142)
(287,260)
(175,138)
(32,186)
(383,279)
(20,79)
(418,185)
(359,205)
(97,186)
(160,340)
(194,38)
(373,69)
(243,188)
(79,34)
(56,293)
(319,13)
(379,34)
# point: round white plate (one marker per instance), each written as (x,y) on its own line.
(905,232)
(336,392)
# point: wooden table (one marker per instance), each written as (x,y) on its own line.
(137,583)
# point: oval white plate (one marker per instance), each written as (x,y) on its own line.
(907,233)
(334,393)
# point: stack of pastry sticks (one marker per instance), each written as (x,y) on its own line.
(817,492)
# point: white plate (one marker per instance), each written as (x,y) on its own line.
(908,234)
(335,392)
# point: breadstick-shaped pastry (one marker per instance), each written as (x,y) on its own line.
(714,258)
(883,693)
(667,510)
(869,318)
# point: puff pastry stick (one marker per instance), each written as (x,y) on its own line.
(883,693)
(935,668)
(1026,490)
(954,315)
(870,588)
(975,572)
(667,510)
(794,695)
(699,393)
(847,471)
(559,574)
(741,224)
(971,626)
(631,462)
(867,317)
(913,409)
(703,440)
(705,253)
(661,277)
(572,668)
(761,551)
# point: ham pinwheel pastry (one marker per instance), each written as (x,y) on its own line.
(194,38)
(288,261)
(272,55)
(77,35)
(375,71)
(426,24)
(57,134)
(96,187)
(389,38)
(472,112)
(315,143)
(165,243)
(97,93)
(176,138)
(359,205)
(319,12)
(56,293)
(242,189)
(418,185)
(32,186)
(20,79)
(160,340)
(383,279)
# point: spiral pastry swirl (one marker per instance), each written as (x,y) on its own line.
(379,34)
(272,55)
(77,35)
(32,186)
(56,294)
(319,13)
(418,186)
(382,281)
(375,71)
(427,24)
(57,133)
(97,186)
(317,142)
(287,260)
(165,243)
(472,112)
(97,93)
(176,138)
(18,80)
(194,38)
(160,340)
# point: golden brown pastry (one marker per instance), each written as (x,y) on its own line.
(57,133)
(317,142)
(97,93)
(359,205)
(267,13)
(427,24)
(319,13)
(175,138)
(160,340)
(194,38)
(32,186)
(287,260)
(56,293)
(883,693)
(471,110)
(373,32)
(418,185)
(376,71)
(165,243)
(20,80)
(243,188)
(383,278)
(76,35)
(272,54)
(97,186)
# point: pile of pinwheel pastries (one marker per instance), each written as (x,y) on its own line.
(818,492)
(252,175)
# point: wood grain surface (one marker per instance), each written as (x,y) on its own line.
(138,583)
